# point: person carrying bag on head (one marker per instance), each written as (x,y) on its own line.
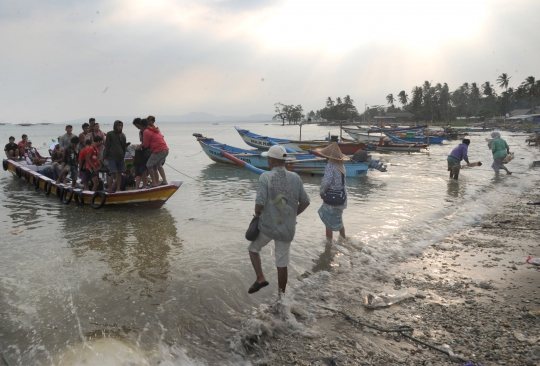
(333,191)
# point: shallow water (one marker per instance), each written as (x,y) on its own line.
(173,282)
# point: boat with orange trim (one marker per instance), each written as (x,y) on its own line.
(154,197)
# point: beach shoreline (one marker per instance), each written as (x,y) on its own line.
(471,293)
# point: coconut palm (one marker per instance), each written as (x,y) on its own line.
(390,99)
(403,98)
(503,81)
(530,85)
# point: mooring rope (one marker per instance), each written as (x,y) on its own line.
(196,179)
(401,330)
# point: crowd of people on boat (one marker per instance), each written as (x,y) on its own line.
(93,155)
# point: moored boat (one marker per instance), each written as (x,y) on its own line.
(265,142)
(417,138)
(386,144)
(302,163)
(359,135)
(151,197)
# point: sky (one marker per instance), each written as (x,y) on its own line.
(65,59)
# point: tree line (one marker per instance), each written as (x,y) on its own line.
(429,102)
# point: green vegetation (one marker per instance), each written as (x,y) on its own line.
(430,103)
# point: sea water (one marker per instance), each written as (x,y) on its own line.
(169,286)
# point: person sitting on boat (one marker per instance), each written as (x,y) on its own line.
(83,173)
(92,162)
(57,159)
(85,135)
(33,156)
(281,197)
(23,144)
(115,150)
(12,149)
(458,154)
(153,140)
(65,139)
(71,162)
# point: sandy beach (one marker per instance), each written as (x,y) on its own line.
(471,294)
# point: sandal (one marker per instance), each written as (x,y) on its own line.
(257,286)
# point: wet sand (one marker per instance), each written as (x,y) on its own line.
(471,293)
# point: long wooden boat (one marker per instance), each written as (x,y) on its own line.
(265,142)
(422,139)
(359,135)
(151,197)
(386,144)
(302,163)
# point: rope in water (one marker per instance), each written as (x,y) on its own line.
(196,179)
(4,358)
(401,330)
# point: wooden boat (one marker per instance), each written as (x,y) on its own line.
(151,197)
(417,138)
(360,135)
(386,144)
(302,163)
(265,142)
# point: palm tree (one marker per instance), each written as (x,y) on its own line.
(403,98)
(390,99)
(530,85)
(329,102)
(503,81)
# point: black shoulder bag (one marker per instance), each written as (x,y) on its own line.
(253,230)
(336,197)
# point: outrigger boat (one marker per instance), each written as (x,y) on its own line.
(417,138)
(386,144)
(302,163)
(265,142)
(151,197)
(359,135)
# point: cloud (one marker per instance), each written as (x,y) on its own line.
(175,57)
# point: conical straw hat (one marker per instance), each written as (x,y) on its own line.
(333,152)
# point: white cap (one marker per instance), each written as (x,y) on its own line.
(277,152)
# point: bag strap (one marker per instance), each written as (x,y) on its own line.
(343,180)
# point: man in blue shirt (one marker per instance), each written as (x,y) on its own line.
(456,156)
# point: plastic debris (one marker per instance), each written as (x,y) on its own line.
(384,299)
(533,261)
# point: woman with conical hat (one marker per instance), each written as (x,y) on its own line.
(334,178)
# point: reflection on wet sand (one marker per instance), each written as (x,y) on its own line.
(134,242)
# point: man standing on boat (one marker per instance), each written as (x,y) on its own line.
(281,197)
(456,156)
(65,139)
(114,153)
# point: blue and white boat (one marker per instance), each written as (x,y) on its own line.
(418,138)
(302,163)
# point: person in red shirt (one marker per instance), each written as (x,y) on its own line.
(92,161)
(23,145)
(83,174)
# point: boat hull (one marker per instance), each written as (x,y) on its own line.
(152,197)
(358,135)
(256,159)
(265,143)
(419,140)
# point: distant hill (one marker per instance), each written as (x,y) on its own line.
(190,117)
